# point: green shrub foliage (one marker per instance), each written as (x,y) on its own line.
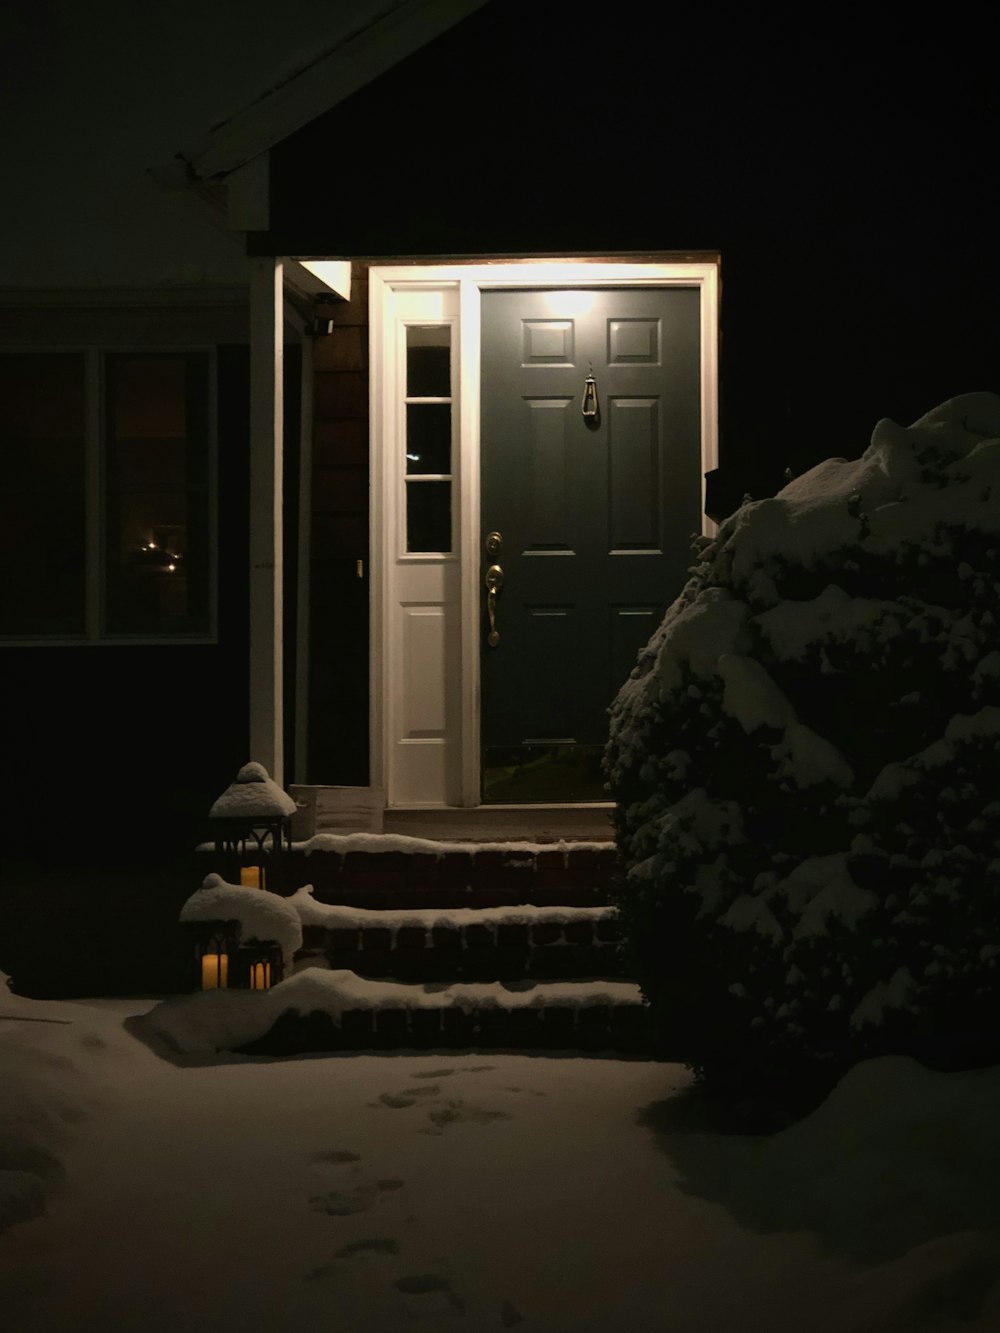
(806,766)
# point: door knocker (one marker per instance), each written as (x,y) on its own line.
(590,407)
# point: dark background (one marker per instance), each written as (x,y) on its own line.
(842,163)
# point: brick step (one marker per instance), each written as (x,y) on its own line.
(464,944)
(576,1016)
(394,871)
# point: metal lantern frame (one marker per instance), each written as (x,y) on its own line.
(217,940)
(253,840)
(258,964)
(239,964)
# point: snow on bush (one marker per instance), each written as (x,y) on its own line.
(805,762)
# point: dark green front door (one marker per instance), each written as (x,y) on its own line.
(594,515)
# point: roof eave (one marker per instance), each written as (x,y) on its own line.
(323,84)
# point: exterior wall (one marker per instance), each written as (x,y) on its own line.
(112,750)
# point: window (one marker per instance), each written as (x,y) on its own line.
(105,496)
(428,438)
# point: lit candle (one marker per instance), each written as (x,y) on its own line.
(214,971)
(250,877)
(260,976)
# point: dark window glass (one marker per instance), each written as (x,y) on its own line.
(156,502)
(42,494)
(428,516)
(428,362)
(428,438)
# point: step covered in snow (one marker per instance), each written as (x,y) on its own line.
(318,1010)
(392,871)
(460,943)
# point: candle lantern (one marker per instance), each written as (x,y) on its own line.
(251,828)
(215,954)
(240,938)
(258,965)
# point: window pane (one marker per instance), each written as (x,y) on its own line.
(428,362)
(42,494)
(428,516)
(428,438)
(157,519)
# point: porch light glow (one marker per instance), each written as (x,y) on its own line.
(569,304)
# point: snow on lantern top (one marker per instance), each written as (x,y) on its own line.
(262,916)
(254,795)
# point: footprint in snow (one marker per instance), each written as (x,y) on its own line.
(344,1203)
(456,1112)
(408,1097)
(370,1245)
(425,1284)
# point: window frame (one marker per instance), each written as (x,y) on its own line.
(96,412)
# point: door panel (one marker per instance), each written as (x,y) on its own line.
(595,513)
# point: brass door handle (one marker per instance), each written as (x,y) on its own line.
(494,582)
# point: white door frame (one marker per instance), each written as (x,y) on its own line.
(468,282)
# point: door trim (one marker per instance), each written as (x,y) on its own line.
(469,281)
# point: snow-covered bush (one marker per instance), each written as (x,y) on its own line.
(806,764)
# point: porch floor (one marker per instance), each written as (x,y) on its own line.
(498,823)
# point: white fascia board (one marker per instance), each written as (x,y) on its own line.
(332,78)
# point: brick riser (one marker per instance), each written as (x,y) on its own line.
(616,1028)
(577,877)
(545,951)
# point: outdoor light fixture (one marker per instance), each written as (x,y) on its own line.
(214,947)
(222,962)
(258,965)
(251,828)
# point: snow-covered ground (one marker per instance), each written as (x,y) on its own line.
(374,1193)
